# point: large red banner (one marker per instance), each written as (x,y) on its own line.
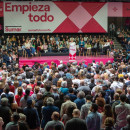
(55,17)
(60,17)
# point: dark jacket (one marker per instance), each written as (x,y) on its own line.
(46,114)
(32,117)
(76,124)
(5,113)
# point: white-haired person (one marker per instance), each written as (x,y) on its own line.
(47,111)
(80,100)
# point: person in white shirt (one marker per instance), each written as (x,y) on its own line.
(27,48)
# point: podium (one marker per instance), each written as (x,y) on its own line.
(72,51)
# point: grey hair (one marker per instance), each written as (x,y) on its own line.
(81,94)
(4,101)
(50,101)
(24,85)
(64,84)
(22,117)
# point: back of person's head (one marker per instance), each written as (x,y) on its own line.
(123,97)
(61,96)
(15,117)
(37,89)
(38,83)
(76,113)
(11,98)
(22,117)
(55,115)
(4,101)
(64,84)
(22,125)
(50,101)
(66,98)
(121,79)
(128,119)
(6,89)
(69,110)
(94,107)
(109,122)
(88,97)
(71,90)
(97,71)
(48,88)
(27,93)
(29,103)
(116,96)
(100,101)
(108,110)
(103,93)
(81,94)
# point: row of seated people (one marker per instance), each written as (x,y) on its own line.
(124,38)
(40,44)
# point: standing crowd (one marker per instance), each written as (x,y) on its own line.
(72,96)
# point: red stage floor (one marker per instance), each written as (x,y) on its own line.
(65,59)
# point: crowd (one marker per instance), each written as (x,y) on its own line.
(35,45)
(124,38)
(72,96)
(68,96)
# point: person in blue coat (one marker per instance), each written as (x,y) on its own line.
(80,100)
(47,111)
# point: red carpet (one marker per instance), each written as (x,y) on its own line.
(65,59)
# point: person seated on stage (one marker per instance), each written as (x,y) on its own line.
(49,47)
(81,45)
(89,48)
(60,46)
(106,46)
(33,50)
(65,49)
(40,48)
(45,47)
(54,47)
(94,47)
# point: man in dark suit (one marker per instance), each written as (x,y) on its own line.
(76,123)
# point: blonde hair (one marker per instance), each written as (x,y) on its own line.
(109,121)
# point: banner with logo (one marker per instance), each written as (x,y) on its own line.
(118,9)
(55,17)
(72,51)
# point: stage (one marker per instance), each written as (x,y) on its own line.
(65,59)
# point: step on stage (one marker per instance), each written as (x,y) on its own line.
(65,59)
